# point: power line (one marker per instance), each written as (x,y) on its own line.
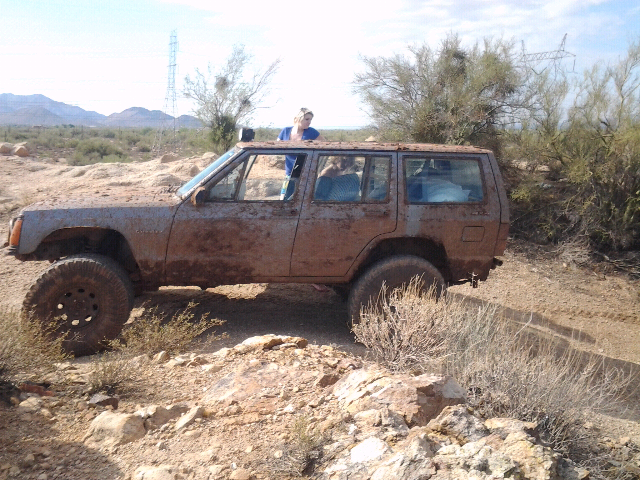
(170,103)
(553,56)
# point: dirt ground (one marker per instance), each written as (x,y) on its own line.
(593,311)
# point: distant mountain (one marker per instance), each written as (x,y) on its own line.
(30,110)
(31,116)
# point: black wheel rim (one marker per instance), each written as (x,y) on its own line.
(77,307)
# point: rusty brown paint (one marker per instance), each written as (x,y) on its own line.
(364,146)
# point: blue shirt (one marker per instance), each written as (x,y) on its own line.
(285,135)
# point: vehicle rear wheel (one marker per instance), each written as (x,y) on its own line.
(394,272)
(86,298)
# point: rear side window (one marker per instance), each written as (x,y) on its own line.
(352,178)
(437,180)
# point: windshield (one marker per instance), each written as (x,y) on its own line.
(184,190)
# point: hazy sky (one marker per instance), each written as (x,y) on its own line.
(110,55)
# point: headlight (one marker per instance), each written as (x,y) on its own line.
(15,229)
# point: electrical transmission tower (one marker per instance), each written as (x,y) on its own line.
(553,57)
(170,107)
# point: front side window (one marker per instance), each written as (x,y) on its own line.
(259,177)
(352,178)
(438,180)
(205,173)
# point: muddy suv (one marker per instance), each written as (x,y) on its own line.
(350,215)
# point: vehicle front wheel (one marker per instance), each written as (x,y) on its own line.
(394,272)
(85,298)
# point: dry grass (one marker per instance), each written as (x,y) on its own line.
(112,373)
(115,371)
(507,370)
(302,450)
(153,333)
(26,350)
(575,251)
(405,333)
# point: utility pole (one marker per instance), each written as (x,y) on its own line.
(553,56)
(170,106)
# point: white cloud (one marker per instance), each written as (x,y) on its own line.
(119,62)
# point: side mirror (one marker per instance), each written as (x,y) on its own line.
(246,135)
(197,197)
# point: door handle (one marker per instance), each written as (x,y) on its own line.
(285,213)
(384,213)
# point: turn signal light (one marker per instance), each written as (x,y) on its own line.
(14,239)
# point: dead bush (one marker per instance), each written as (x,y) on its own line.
(26,349)
(508,369)
(302,451)
(405,332)
(575,251)
(112,373)
(153,333)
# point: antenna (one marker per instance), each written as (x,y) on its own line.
(553,56)
(170,98)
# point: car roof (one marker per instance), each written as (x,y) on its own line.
(377,146)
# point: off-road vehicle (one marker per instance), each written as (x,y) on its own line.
(350,215)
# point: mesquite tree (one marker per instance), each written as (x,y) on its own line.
(228,96)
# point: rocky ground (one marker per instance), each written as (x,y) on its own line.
(295,405)
(272,407)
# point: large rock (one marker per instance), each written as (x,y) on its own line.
(458,423)
(267,342)
(155,416)
(6,148)
(417,399)
(189,417)
(20,151)
(110,429)
(168,158)
(245,385)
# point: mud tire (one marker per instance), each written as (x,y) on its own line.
(87,298)
(394,272)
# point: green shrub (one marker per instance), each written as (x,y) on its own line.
(97,150)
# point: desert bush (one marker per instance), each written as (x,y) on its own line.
(26,349)
(592,147)
(153,333)
(228,96)
(112,373)
(302,450)
(405,331)
(94,151)
(506,368)
(454,95)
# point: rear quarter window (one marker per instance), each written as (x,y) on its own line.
(443,180)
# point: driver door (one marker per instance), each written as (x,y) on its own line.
(243,232)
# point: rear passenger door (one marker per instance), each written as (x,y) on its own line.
(350,199)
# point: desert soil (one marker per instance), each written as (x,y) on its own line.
(593,311)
